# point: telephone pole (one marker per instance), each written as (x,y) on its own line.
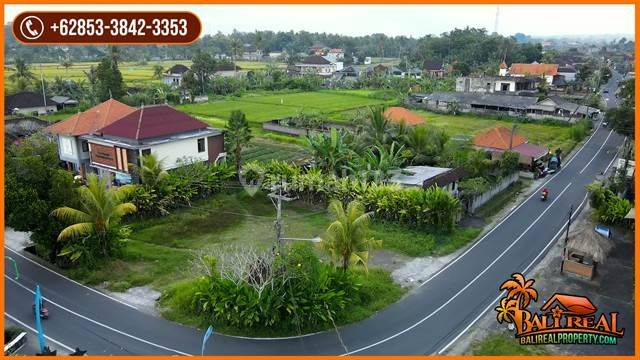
(277,197)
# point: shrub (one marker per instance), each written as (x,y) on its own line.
(608,207)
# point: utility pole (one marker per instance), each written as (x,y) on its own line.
(44,97)
(566,238)
(277,197)
(513,130)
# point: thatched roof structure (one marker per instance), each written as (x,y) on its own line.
(587,241)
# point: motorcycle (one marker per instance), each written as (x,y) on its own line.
(544,196)
(44,312)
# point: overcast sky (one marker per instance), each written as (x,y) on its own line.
(409,20)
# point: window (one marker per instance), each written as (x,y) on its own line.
(201,145)
(85,146)
(146,152)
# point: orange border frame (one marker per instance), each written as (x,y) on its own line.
(348,2)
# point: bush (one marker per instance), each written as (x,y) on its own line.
(475,186)
(580,129)
(608,207)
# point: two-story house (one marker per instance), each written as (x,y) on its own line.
(317,65)
(73,150)
(173,76)
(174,137)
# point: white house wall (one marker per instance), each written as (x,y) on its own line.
(170,152)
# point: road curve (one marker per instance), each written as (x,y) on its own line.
(426,321)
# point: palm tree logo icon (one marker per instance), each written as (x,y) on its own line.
(512,308)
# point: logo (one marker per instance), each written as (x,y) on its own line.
(31,27)
(251,180)
(563,319)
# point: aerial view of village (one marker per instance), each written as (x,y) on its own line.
(324,180)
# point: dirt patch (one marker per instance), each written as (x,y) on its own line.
(142,297)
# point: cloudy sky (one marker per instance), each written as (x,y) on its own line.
(409,20)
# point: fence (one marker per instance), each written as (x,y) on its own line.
(482,199)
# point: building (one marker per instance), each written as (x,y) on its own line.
(434,68)
(318,49)
(277,55)
(559,83)
(336,53)
(171,135)
(569,73)
(396,72)
(546,71)
(28,103)
(556,106)
(228,69)
(317,65)
(427,176)
(251,53)
(397,115)
(173,76)
(63,102)
(71,149)
(367,60)
(500,139)
(498,84)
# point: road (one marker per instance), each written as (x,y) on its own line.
(427,321)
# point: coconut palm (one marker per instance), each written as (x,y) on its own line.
(507,310)
(380,160)
(237,135)
(21,71)
(330,151)
(346,239)
(100,212)
(158,70)
(378,128)
(151,171)
(236,49)
(520,289)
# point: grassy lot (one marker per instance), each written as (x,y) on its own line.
(501,344)
(265,150)
(552,136)
(260,107)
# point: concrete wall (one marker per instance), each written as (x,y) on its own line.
(40,110)
(483,198)
(171,152)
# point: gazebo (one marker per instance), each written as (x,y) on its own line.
(584,250)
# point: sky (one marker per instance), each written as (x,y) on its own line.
(392,20)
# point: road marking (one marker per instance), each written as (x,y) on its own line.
(533,193)
(73,281)
(99,323)
(469,283)
(14,319)
(597,152)
(493,303)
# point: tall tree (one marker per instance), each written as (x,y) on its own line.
(347,238)
(109,80)
(158,70)
(237,135)
(203,67)
(21,71)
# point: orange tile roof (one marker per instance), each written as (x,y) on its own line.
(398,114)
(92,119)
(534,69)
(498,138)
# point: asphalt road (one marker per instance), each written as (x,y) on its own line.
(427,321)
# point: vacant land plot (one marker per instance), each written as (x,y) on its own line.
(552,136)
(265,150)
(262,107)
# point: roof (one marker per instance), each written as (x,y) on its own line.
(503,65)
(336,51)
(488,99)
(416,175)
(433,65)
(58,99)
(558,80)
(91,119)
(566,69)
(153,122)
(571,304)
(531,150)
(587,241)
(178,69)
(398,114)
(25,99)
(534,69)
(498,137)
(316,60)
(446,178)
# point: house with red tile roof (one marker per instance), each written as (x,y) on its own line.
(75,151)
(500,139)
(175,137)
(546,71)
(398,115)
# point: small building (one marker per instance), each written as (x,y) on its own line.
(545,71)
(584,250)
(28,103)
(559,83)
(173,76)
(397,115)
(63,102)
(251,53)
(367,60)
(173,136)
(498,84)
(499,139)
(73,150)
(336,53)
(318,49)
(228,69)
(317,65)
(427,176)
(434,68)
(569,73)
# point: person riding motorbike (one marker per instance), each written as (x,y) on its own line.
(545,193)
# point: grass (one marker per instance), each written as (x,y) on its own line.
(263,150)
(552,136)
(500,344)
(493,206)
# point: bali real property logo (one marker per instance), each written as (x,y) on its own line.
(563,319)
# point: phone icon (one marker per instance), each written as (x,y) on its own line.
(31,27)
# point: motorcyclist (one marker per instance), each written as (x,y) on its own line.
(545,193)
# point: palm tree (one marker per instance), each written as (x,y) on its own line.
(520,289)
(151,171)
(346,239)
(379,161)
(329,151)
(507,310)
(21,71)
(425,144)
(100,212)
(66,64)
(237,135)
(158,70)
(377,129)
(236,48)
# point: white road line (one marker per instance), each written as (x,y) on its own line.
(99,323)
(533,193)
(597,152)
(469,283)
(14,319)
(73,281)
(493,303)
